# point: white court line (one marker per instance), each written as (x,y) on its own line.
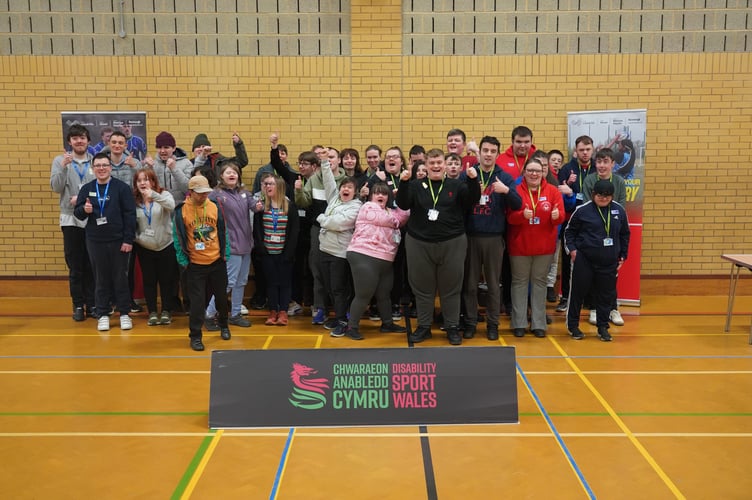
(207,372)
(229,433)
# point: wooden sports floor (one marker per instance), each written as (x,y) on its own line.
(664,411)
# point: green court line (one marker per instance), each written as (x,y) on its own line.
(183,483)
(204,414)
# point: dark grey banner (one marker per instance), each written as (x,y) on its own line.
(339,387)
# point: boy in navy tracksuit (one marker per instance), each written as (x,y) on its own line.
(597,240)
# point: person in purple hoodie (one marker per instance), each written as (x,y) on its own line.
(370,254)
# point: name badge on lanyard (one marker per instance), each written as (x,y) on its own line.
(433,214)
(608,242)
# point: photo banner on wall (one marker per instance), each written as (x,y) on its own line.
(341,387)
(624,131)
(102,123)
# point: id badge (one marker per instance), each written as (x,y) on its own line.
(101,221)
(200,245)
(275,238)
(535,220)
(483,199)
(608,242)
(433,214)
(580,196)
(396,237)
(149,232)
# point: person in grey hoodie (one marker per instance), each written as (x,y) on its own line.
(172,166)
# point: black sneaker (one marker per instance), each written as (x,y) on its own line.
(549,319)
(258,303)
(562,307)
(604,335)
(224,332)
(239,321)
(373,314)
(518,332)
(353,333)
(136,308)
(196,344)
(453,334)
(331,323)
(396,313)
(392,328)
(492,332)
(550,294)
(539,333)
(576,333)
(211,324)
(78,314)
(91,312)
(469,331)
(340,330)
(420,334)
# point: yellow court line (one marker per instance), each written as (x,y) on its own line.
(620,423)
(552,434)
(201,466)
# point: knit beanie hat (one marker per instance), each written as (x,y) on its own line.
(201,140)
(165,139)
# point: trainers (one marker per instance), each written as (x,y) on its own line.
(518,332)
(353,333)
(196,344)
(469,331)
(272,319)
(339,330)
(224,332)
(78,314)
(420,334)
(549,319)
(550,294)
(492,332)
(576,333)
(282,318)
(539,333)
(392,328)
(331,323)
(103,323)
(604,335)
(153,319)
(243,310)
(615,318)
(91,312)
(396,313)
(166,318)
(562,307)
(136,308)
(373,314)
(211,324)
(319,317)
(593,318)
(453,334)
(125,322)
(258,303)
(294,309)
(239,320)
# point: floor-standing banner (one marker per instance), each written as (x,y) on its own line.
(624,131)
(101,124)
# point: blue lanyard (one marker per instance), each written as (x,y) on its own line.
(275,218)
(148,214)
(81,173)
(102,199)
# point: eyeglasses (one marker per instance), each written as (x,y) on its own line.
(536,171)
(304,163)
(393,157)
(101,166)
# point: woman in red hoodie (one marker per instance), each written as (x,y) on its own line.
(531,244)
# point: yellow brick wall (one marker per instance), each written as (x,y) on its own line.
(697,201)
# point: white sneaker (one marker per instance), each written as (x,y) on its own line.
(125,322)
(294,309)
(593,319)
(103,323)
(243,310)
(616,318)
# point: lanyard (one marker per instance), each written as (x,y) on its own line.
(537,198)
(435,197)
(102,199)
(148,214)
(275,218)
(606,223)
(395,182)
(484,182)
(519,168)
(581,176)
(199,222)
(81,173)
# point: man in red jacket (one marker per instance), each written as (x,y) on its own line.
(512,161)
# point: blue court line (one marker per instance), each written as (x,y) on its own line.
(282,463)
(564,448)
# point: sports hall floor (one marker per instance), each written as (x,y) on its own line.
(664,411)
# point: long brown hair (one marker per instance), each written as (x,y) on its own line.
(151,176)
(279,194)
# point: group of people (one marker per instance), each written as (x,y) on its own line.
(354,240)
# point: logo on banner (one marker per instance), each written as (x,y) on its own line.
(308,392)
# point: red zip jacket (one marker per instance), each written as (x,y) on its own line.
(524,238)
(511,164)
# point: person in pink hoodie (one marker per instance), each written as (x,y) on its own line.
(370,254)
